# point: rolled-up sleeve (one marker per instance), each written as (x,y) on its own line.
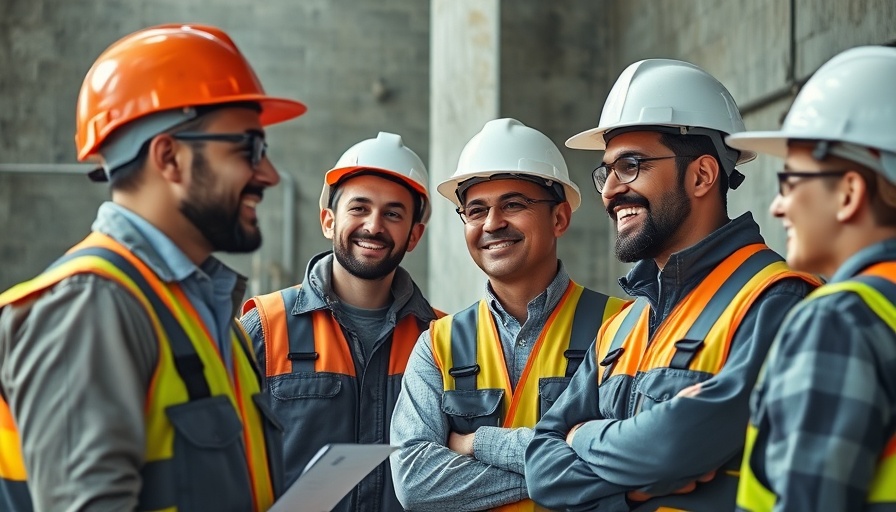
(428,475)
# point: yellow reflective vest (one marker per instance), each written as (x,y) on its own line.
(207,442)
(753,495)
(477,389)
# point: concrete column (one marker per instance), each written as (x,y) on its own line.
(465,64)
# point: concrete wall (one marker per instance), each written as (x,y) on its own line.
(361,67)
(761,50)
(550,64)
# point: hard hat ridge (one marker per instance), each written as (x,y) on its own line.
(504,149)
(166,68)
(658,94)
(387,155)
(848,101)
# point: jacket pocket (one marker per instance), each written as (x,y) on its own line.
(297,386)
(209,457)
(662,384)
(467,410)
(549,390)
(316,409)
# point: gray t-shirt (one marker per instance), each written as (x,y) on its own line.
(366,324)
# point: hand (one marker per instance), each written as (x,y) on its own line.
(461,443)
(690,391)
(572,433)
(686,488)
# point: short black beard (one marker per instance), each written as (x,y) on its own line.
(658,228)
(216,219)
(373,272)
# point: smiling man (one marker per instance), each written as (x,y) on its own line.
(125,382)
(656,415)
(823,424)
(334,348)
(479,380)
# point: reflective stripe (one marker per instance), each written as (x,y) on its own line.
(719,302)
(189,364)
(876,286)
(470,339)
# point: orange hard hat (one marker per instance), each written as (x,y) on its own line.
(168,67)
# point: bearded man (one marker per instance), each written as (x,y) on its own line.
(333,349)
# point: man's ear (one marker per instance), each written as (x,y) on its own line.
(562,216)
(328,223)
(852,196)
(704,173)
(415,236)
(167,158)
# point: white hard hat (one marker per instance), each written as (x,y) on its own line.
(669,93)
(385,154)
(850,99)
(507,146)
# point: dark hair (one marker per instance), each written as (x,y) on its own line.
(336,190)
(126,177)
(698,145)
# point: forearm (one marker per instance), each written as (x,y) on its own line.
(427,474)
(430,477)
(504,448)
(677,440)
(76,375)
(556,477)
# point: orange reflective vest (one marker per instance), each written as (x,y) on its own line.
(322,395)
(694,338)
(205,436)
(876,285)
(468,352)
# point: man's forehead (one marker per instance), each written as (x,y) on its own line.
(497,189)
(632,143)
(235,119)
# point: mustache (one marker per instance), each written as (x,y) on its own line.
(379,237)
(506,233)
(631,199)
(253,190)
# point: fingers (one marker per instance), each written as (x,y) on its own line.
(690,391)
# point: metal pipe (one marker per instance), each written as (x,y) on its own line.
(48,168)
(289,222)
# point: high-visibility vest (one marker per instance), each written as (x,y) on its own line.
(316,391)
(205,436)
(876,286)
(469,354)
(695,337)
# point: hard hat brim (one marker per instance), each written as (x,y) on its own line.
(334,175)
(768,142)
(449,187)
(592,139)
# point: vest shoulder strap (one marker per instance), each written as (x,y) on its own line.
(687,348)
(615,350)
(187,362)
(464,341)
(586,322)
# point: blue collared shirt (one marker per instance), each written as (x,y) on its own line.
(209,286)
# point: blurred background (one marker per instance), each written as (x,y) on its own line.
(433,71)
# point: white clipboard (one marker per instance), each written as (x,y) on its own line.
(330,475)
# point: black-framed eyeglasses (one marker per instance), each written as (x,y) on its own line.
(785,186)
(626,169)
(254,141)
(475,214)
